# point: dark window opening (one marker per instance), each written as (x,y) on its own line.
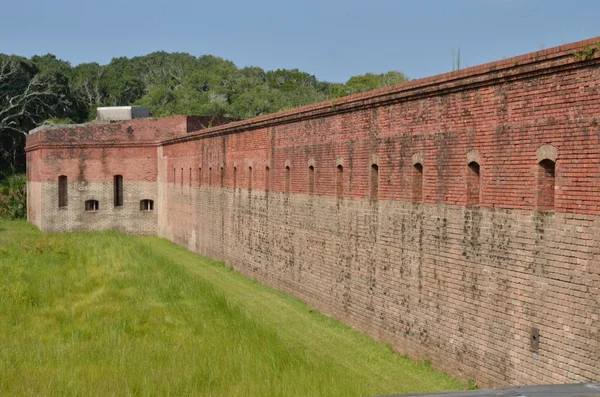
(249,178)
(118,190)
(546,185)
(267,179)
(92,205)
(311,179)
(174,176)
(417,188)
(62,191)
(534,341)
(222,177)
(199,176)
(190,181)
(374,181)
(287,179)
(209,176)
(339,180)
(234,177)
(146,205)
(473,185)
(182,176)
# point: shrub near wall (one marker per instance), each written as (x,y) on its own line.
(13,197)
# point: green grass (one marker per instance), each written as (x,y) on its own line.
(106,314)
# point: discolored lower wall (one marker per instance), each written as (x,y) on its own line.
(461,286)
(127,218)
(34,202)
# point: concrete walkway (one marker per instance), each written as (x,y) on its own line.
(577,390)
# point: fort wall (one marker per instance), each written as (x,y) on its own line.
(455,218)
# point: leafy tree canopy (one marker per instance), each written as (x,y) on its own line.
(45,89)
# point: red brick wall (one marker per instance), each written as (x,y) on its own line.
(506,123)
(419,266)
(463,286)
(98,164)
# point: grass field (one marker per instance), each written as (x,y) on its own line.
(106,314)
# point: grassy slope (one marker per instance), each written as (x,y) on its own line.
(109,314)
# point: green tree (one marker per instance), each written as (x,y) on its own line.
(28,96)
(288,80)
(367,82)
(163,69)
(258,101)
(161,101)
(124,85)
(89,88)
(45,89)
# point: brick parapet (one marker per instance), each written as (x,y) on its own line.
(148,132)
(538,63)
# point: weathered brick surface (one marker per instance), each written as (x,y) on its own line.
(90,156)
(462,286)
(34,191)
(392,243)
(127,218)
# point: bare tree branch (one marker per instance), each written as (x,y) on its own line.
(27,98)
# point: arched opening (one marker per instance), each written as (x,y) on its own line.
(311,179)
(374,183)
(63,198)
(118,190)
(287,179)
(417,182)
(473,185)
(234,177)
(339,180)
(92,205)
(209,176)
(199,176)
(146,205)
(546,185)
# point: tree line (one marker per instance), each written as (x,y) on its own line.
(46,90)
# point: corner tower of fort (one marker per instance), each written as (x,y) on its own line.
(455,217)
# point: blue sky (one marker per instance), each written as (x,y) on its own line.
(332,39)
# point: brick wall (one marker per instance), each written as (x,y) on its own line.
(454,217)
(90,174)
(90,156)
(461,286)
